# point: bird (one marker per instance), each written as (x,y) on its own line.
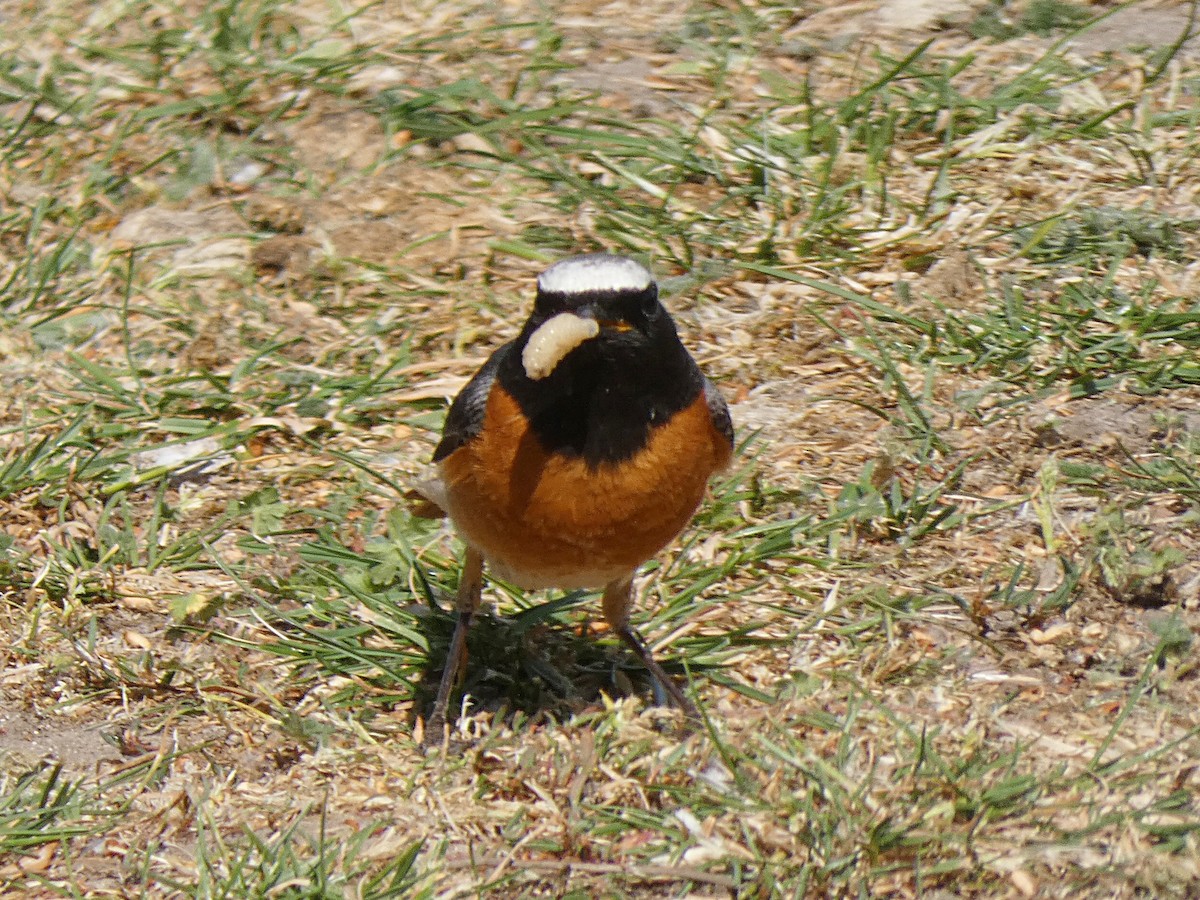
(577,452)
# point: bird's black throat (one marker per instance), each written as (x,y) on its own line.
(604,400)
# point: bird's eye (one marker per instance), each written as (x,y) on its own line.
(649,305)
(551,304)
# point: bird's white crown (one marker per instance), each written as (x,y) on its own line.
(595,272)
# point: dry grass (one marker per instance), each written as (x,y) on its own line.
(940,616)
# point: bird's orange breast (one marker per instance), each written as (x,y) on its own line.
(548,520)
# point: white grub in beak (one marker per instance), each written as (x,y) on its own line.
(553,340)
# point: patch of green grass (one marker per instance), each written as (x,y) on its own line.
(942,819)
(725,184)
(1041,17)
(885,506)
(41,806)
(1086,336)
(1089,336)
(1095,236)
(299,858)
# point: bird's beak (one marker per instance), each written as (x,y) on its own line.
(618,325)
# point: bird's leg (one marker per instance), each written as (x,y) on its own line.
(470,587)
(618,598)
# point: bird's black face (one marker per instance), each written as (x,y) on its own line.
(627,319)
(599,362)
(621,309)
(595,310)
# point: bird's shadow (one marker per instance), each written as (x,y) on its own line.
(542,662)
